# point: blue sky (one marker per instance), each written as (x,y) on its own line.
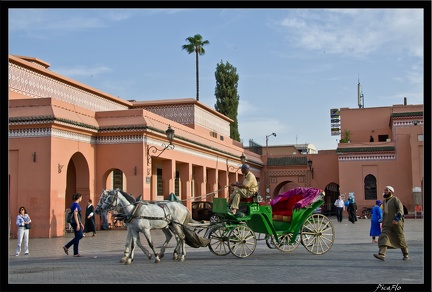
(294,65)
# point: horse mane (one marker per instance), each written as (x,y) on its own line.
(128,197)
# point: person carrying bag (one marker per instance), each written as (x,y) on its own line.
(23,222)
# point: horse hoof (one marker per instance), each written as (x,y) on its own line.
(122,261)
(149,256)
(128,262)
(157,261)
(182,259)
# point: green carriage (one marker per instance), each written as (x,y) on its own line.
(285,222)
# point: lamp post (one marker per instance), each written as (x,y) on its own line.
(272,134)
(310,167)
(170,136)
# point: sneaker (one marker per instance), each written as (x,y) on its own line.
(406,258)
(26,253)
(379,256)
(17,255)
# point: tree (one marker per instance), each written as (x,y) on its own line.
(227,98)
(196,45)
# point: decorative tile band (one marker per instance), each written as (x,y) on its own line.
(367,157)
(36,85)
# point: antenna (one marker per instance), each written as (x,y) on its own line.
(360,96)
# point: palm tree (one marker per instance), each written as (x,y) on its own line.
(196,45)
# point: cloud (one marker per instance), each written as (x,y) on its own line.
(80,70)
(356,32)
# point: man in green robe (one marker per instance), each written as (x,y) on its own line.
(392,235)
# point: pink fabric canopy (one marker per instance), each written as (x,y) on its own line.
(306,196)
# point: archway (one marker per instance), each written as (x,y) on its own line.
(332,193)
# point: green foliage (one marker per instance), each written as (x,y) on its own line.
(196,44)
(346,136)
(227,98)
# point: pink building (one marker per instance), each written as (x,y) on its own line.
(67,137)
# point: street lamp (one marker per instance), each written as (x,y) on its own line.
(310,167)
(170,136)
(272,134)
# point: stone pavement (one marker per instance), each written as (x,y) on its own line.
(350,260)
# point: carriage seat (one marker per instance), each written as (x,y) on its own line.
(253,198)
(283,211)
(285,218)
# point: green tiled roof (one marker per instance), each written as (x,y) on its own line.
(366,149)
(283,161)
(407,114)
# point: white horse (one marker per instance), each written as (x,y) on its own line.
(143,216)
(128,254)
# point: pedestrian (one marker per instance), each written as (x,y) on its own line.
(90,224)
(371,139)
(392,233)
(22,220)
(77,226)
(340,206)
(352,209)
(376,221)
(246,189)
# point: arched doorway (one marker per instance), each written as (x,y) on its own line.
(332,193)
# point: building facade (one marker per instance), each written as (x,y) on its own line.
(67,137)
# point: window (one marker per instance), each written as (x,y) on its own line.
(382,138)
(370,187)
(159,182)
(118,179)
(177,183)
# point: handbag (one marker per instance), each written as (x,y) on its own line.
(70,218)
(27,226)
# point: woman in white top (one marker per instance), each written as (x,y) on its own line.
(21,221)
(340,206)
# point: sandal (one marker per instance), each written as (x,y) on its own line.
(65,250)
(77,255)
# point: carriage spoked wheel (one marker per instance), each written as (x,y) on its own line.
(219,241)
(214,218)
(270,241)
(317,234)
(284,244)
(242,241)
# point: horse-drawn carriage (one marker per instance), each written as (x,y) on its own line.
(285,222)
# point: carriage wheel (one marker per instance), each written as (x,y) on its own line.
(219,241)
(214,218)
(270,242)
(284,242)
(317,234)
(242,241)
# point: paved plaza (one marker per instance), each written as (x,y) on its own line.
(349,261)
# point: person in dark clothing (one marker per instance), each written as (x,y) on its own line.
(352,209)
(90,224)
(371,139)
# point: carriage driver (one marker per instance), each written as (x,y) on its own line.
(246,189)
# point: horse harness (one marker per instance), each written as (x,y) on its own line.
(167,212)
